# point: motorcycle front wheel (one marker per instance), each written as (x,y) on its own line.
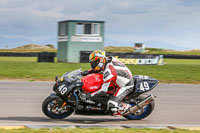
(142,113)
(56,108)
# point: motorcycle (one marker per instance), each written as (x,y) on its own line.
(72,94)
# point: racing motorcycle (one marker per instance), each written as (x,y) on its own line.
(72,95)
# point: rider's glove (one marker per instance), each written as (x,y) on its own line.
(85,73)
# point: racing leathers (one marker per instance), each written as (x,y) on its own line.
(117,73)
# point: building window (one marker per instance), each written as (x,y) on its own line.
(62,29)
(95,29)
(87,29)
(79,28)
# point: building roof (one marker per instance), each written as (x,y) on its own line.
(82,21)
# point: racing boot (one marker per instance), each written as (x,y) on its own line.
(118,108)
(123,108)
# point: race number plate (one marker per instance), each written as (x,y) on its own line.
(144,86)
(62,89)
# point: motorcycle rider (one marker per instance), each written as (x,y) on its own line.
(113,71)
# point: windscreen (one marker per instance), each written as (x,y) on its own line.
(72,76)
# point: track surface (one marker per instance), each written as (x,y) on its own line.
(20,104)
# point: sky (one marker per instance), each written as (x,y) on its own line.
(172,24)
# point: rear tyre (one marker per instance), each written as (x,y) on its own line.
(52,108)
(143,113)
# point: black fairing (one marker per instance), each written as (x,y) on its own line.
(144,84)
(68,85)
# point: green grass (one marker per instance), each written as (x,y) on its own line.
(170,73)
(35,71)
(96,130)
(175,71)
(17,59)
(183,61)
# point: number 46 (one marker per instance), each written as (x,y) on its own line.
(144,86)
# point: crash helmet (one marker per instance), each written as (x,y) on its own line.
(97,60)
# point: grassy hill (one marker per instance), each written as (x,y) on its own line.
(31,48)
(41,48)
(152,50)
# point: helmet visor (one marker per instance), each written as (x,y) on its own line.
(94,64)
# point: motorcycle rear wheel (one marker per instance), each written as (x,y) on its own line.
(52,108)
(146,111)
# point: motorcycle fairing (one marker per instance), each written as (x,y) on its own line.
(92,82)
(144,83)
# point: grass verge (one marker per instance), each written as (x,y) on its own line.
(175,71)
(96,130)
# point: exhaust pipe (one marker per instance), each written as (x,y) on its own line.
(141,104)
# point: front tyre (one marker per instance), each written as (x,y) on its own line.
(142,113)
(55,108)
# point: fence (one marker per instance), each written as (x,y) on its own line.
(46,56)
(12,54)
(129,58)
(84,55)
(140,58)
(42,56)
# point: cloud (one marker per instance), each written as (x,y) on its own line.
(171,21)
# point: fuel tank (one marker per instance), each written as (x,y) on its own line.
(92,82)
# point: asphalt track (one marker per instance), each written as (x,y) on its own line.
(20,104)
